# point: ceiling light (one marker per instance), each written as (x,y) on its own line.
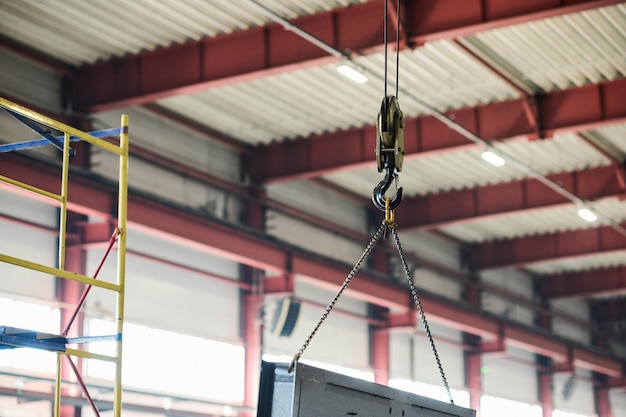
(493,158)
(351,73)
(587,215)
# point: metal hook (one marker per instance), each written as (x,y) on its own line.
(378,195)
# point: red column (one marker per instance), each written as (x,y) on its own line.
(603,405)
(69,293)
(380,355)
(473,359)
(543,318)
(473,379)
(545,393)
(379,336)
(252,336)
(252,325)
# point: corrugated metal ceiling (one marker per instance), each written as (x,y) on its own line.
(546,55)
(466,169)
(561,52)
(78,32)
(318,100)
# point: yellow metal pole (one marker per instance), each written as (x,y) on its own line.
(64,188)
(59,272)
(62,237)
(121,259)
(57,388)
(28,187)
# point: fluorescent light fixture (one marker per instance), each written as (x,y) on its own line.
(493,158)
(354,75)
(587,215)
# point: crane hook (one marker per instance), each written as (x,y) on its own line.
(378,195)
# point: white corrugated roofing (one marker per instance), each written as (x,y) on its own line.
(466,169)
(580,263)
(78,32)
(560,52)
(318,100)
(533,222)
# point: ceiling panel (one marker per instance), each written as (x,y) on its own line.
(534,222)
(465,168)
(78,32)
(560,52)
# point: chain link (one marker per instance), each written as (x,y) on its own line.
(418,303)
(383,229)
(345,284)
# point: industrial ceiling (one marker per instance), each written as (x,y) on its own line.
(541,82)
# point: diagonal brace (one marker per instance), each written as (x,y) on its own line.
(41,132)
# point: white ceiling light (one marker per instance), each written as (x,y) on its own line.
(352,74)
(587,215)
(493,158)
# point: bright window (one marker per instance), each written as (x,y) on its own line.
(461,398)
(559,413)
(33,317)
(160,360)
(498,407)
(351,372)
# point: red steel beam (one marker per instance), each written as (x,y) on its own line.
(587,283)
(555,246)
(443,209)
(257,52)
(610,310)
(88,195)
(519,252)
(572,110)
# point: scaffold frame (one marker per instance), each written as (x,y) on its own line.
(12,337)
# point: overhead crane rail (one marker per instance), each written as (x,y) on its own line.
(12,337)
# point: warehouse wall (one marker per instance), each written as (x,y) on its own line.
(17,240)
(180,145)
(166,296)
(27,81)
(342,339)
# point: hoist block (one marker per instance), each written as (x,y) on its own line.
(390,135)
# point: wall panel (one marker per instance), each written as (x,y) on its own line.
(167,297)
(512,377)
(29,243)
(28,82)
(342,339)
(411,356)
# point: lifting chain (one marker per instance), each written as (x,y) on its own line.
(345,284)
(388,226)
(418,304)
(389,155)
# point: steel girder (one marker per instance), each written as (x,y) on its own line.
(257,52)
(573,110)
(89,195)
(543,248)
(482,203)
(597,282)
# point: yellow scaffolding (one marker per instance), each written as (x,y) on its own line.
(70,134)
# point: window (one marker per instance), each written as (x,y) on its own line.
(160,360)
(461,398)
(33,317)
(497,407)
(559,413)
(351,372)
